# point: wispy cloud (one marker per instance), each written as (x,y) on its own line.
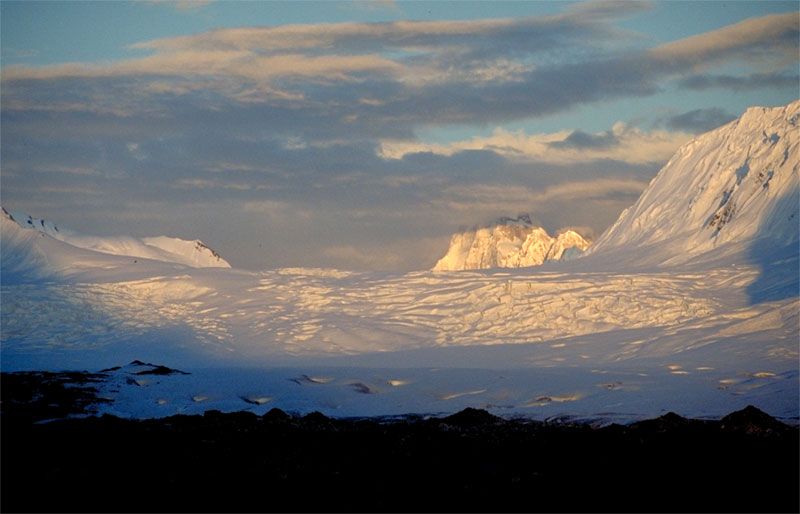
(465,197)
(623,143)
(766,40)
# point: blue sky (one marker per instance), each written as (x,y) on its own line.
(361,135)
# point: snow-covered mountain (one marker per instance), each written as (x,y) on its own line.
(721,192)
(708,325)
(167,249)
(509,243)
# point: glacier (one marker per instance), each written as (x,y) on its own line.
(688,303)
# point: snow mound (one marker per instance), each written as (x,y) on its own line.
(727,188)
(167,249)
(508,243)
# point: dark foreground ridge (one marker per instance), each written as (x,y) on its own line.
(467,462)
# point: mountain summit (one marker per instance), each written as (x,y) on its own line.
(509,243)
(721,192)
(734,189)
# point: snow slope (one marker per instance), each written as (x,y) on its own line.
(508,243)
(161,248)
(645,324)
(733,185)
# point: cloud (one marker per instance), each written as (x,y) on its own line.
(772,38)
(386,79)
(699,120)
(701,82)
(596,188)
(580,140)
(298,145)
(413,36)
(409,67)
(623,143)
(610,9)
(516,198)
(241,64)
(59,168)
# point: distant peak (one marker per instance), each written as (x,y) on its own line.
(161,248)
(509,243)
(720,193)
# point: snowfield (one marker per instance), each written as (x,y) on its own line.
(689,303)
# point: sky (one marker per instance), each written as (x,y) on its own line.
(362,135)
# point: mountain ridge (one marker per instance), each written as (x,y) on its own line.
(726,188)
(690,330)
(192,253)
(509,243)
